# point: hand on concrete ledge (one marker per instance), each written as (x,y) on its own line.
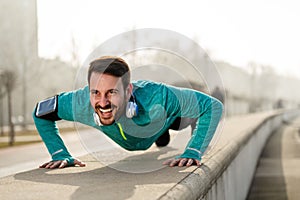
(181,162)
(61,164)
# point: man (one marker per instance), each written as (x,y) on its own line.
(134,115)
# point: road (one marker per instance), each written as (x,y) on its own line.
(278,172)
(114,174)
(27,157)
(88,141)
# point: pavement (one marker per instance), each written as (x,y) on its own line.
(27,157)
(117,175)
(278,172)
(111,173)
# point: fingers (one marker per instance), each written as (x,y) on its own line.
(190,162)
(167,162)
(198,162)
(174,162)
(180,162)
(171,162)
(44,165)
(79,163)
(61,164)
(51,164)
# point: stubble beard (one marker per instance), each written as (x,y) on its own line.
(109,117)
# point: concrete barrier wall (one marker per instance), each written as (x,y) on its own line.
(228,169)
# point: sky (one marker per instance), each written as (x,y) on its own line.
(238,32)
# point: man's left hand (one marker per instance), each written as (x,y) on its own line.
(181,162)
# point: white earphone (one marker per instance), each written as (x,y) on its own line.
(131,109)
(97,119)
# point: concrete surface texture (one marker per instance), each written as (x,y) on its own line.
(278,172)
(102,181)
(139,176)
(92,182)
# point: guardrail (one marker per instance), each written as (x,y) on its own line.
(228,169)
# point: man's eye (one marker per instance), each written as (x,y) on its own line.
(94,92)
(112,92)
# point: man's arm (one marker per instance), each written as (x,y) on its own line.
(208,111)
(49,133)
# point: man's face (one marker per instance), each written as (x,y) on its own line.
(108,96)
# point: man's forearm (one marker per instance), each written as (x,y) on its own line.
(49,133)
(204,131)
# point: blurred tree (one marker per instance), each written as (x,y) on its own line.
(2,94)
(75,55)
(8,81)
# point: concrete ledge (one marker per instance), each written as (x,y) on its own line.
(229,165)
(228,169)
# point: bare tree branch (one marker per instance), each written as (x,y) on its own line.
(8,81)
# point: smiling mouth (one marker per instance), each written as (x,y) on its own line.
(106,110)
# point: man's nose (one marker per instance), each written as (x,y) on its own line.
(103,101)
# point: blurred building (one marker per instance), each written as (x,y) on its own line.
(254,91)
(39,78)
(18,29)
(36,78)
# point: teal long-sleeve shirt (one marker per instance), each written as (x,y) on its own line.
(158,106)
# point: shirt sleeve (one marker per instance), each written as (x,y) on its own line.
(49,131)
(208,111)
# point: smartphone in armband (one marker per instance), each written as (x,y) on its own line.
(47,109)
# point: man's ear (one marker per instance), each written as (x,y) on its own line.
(129,91)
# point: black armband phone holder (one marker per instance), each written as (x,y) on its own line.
(47,109)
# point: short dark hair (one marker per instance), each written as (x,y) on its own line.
(111,65)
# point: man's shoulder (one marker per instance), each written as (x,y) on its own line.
(145,89)
(146,84)
(79,95)
(84,89)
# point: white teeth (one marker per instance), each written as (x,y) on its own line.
(105,110)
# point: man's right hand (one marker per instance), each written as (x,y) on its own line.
(61,164)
